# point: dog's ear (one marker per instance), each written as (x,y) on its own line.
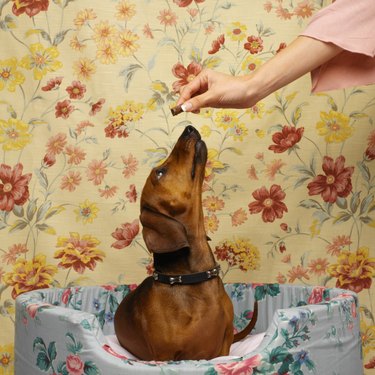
(161,233)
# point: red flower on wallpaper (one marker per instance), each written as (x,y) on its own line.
(254,44)
(63,109)
(186,3)
(286,139)
(96,107)
(269,203)
(14,186)
(76,90)
(216,44)
(335,183)
(125,234)
(30,7)
(52,84)
(185,75)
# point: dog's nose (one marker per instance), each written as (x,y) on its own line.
(190,130)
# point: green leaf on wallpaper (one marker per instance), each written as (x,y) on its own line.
(18,211)
(18,225)
(59,37)
(42,177)
(342,203)
(31,209)
(342,217)
(365,172)
(354,202)
(365,204)
(358,115)
(212,62)
(128,73)
(310,203)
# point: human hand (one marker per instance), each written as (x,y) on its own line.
(216,90)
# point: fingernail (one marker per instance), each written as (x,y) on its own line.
(186,107)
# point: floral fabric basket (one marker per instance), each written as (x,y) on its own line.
(307,331)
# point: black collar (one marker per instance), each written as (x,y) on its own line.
(192,278)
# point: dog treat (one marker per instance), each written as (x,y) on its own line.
(177,110)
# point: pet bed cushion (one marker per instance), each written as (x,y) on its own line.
(306,330)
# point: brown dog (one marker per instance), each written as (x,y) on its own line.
(182,311)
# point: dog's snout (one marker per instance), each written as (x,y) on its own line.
(189,131)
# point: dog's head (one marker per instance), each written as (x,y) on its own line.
(171,207)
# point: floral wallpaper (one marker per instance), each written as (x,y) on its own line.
(85,94)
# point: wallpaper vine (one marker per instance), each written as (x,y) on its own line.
(85,92)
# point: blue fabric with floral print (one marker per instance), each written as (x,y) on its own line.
(308,331)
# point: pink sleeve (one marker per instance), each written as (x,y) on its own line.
(350,24)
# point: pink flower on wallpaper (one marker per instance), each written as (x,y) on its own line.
(238,217)
(304,9)
(70,181)
(244,367)
(125,234)
(254,44)
(147,32)
(130,165)
(14,186)
(96,107)
(75,365)
(216,44)
(13,252)
(64,109)
(269,203)
(185,75)
(75,154)
(29,7)
(286,139)
(56,144)
(52,84)
(76,90)
(336,182)
(131,194)
(49,160)
(96,171)
(338,244)
(186,3)
(108,191)
(167,17)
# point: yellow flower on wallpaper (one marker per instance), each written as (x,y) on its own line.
(127,43)
(238,132)
(10,77)
(353,270)
(107,53)
(125,10)
(41,60)
(30,275)
(250,64)
(334,126)
(159,86)
(104,33)
(206,112)
(87,212)
(14,134)
(257,111)
(205,131)
(83,17)
(368,337)
(213,163)
(78,252)
(130,111)
(226,118)
(6,359)
(236,31)
(84,69)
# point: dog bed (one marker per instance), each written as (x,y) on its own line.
(300,330)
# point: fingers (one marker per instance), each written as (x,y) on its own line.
(191,96)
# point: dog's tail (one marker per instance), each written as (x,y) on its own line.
(241,335)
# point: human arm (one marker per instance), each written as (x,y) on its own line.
(218,90)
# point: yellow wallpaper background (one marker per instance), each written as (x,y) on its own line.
(85,92)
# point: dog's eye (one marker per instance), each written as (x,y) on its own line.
(160,173)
